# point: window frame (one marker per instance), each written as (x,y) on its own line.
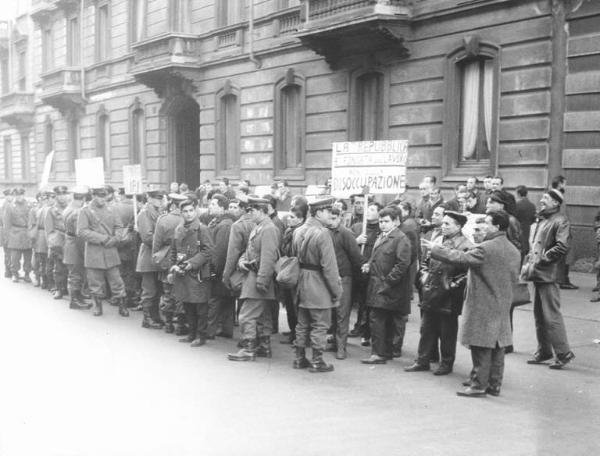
(7,153)
(103,53)
(222,16)
(354,103)
(453,170)
(280,168)
(25,156)
(47,47)
(135,109)
(73,41)
(103,136)
(221,130)
(137,32)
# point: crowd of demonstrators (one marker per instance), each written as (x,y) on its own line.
(197,263)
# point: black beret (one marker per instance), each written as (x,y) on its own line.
(460,218)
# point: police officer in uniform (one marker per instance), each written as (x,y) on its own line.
(161,249)
(74,249)
(319,285)
(16,222)
(151,284)
(128,248)
(101,230)
(37,234)
(258,289)
(54,226)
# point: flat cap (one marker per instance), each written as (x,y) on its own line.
(155,193)
(256,201)
(499,197)
(99,191)
(460,218)
(18,191)
(177,197)
(322,203)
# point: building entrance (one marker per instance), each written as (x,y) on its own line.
(184,142)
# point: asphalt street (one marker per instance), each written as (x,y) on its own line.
(75,385)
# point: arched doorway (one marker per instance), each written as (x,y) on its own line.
(183,140)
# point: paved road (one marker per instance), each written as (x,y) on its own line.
(75,385)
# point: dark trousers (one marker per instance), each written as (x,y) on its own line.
(39,266)
(255,318)
(275,316)
(220,315)
(313,323)
(359,295)
(432,325)
(549,324)
(196,314)
(60,272)
(287,298)
(385,326)
(488,367)
(341,320)
(50,271)
(130,278)
(98,278)
(15,260)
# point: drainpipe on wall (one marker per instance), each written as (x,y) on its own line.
(81,52)
(251,55)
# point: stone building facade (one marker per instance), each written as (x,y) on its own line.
(257,89)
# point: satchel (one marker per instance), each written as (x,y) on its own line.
(287,270)
(236,280)
(162,258)
(521,294)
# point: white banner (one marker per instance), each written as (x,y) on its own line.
(46,170)
(379,165)
(89,172)
(132,179)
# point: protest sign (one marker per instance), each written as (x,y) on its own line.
(378,165)
(47,168)
(132,179)
(89,172)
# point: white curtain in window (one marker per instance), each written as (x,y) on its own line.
(488,98)
(470,109)
(140,18)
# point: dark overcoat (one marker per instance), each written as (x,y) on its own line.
(165,229)
(389,277)
(98,226)
(192,244)
(321,288)
(493,267)
(54,225)
(220,230)
(238,241)
(263,251)
(37,231)
(438,294)
(128,246)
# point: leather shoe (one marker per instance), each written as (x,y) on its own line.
(198,342)
(539,358)
(416,367)
(562,360)
(467,383)
(341,353)
(365,342)
(187,339)
(443,370)
(595,289)
(596,299)
(493,391)
(568,286)
(469,391)
(509,349)
(374,359)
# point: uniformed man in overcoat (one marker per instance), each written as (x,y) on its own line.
(319,285)
(128,248)
(258,289)
(164,233)
(222,301)
(191,252)
(37,235)
(16,223)
(101,230)
(54,226)
(151,284)
(74,249)
(442,298)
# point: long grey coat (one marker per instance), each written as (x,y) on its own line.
(493,272)
(316,289)
(146,225)
(96,226)
(263,248)
(74,245)
(16,224)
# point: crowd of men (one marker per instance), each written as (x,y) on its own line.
(197,263)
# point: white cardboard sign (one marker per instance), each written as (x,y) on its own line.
(379,165)
(89,172)
(47,168)
(132,179)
